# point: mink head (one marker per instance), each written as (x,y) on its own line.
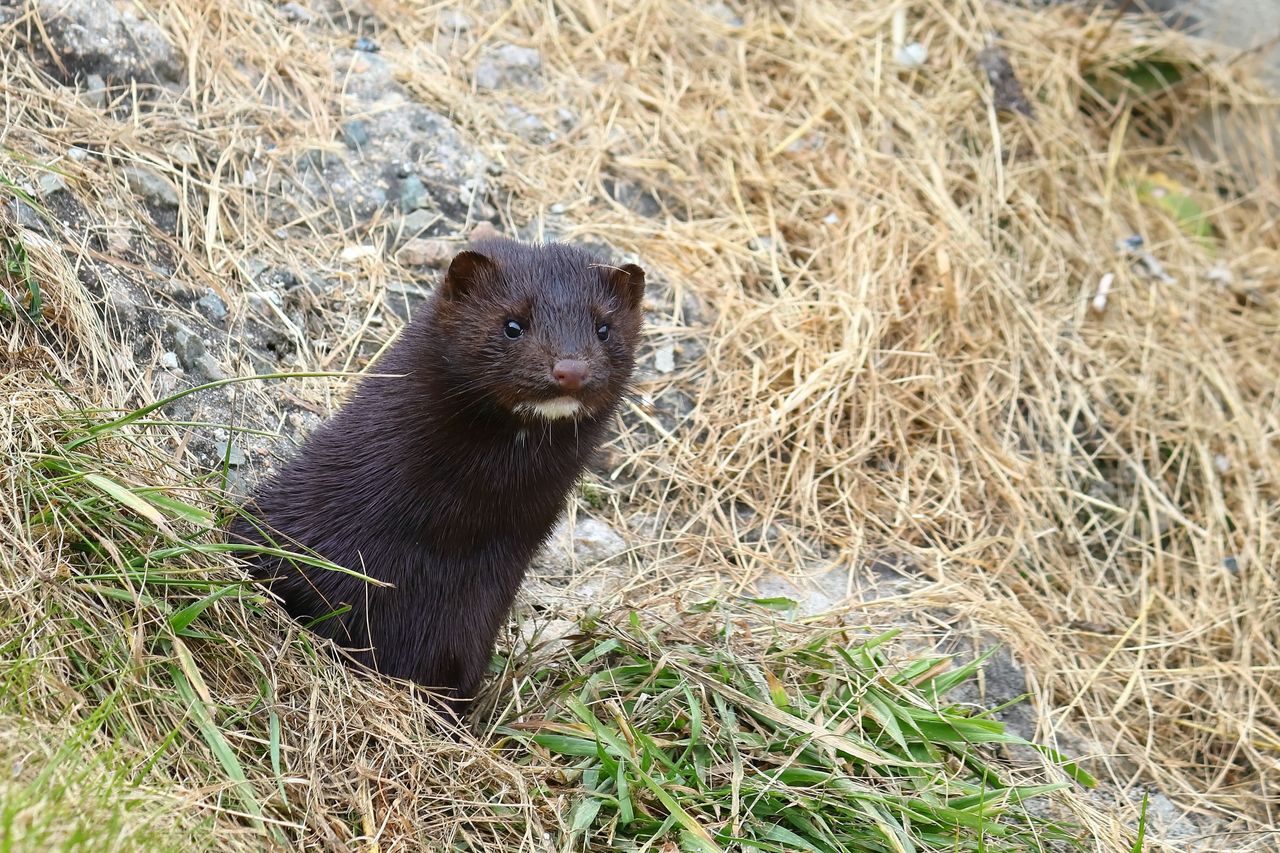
(545,333)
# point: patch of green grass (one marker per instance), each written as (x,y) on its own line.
(1138,77)
(15,267)
(69,794)
(818,746)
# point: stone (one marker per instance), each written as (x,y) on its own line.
(187,344)
(527,126)
(51,183)
(413,193)
(396,139)
(355,134)
(110,41)
(507,65)
(212,306)
(95,91)
(594,541)
(484,231)
(417,222)
(664,358)
(453,20)
(208,367)
(230,452)
(169,361)
(151,185)
(421,253)
(297,13)
(25,215)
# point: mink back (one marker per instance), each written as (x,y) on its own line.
(444,478)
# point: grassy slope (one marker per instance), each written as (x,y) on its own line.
(926,362)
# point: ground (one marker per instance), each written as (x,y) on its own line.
(963,330)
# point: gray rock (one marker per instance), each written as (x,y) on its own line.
(595,541)
(151,185)
(527,126)
(508,65)
(169,361)
(453,20)
(404,139)
(589,541)
(208,367)
(95,91)
(212,306)
(109,40)
(418,252)
(417,222)
(413,193)
(297,13)
(355,134)
(817,593)
(664,358)
(25,215)
(188,346)
(230,452)
(51,183)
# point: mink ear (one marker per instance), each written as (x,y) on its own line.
(628,281)
(466,269)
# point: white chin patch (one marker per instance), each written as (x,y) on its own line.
(552,410)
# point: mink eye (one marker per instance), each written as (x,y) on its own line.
(513,329)
(602,331)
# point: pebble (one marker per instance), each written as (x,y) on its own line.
(212,306)
(207,366)
(151,185)
(77,154)
(591,540)
(51,183)
(418,221)
(367,45)
(413,193)
(355,253)
(95,91)
(911,55)
(169,361)
(484,231)
(664,358)
(507,64)
(188,346)
(355,134)
(297,12)
(527,126)
(25,215)
(1222,463)
(234,456)
(452,19)
(421,253)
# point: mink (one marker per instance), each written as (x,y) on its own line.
(444,473)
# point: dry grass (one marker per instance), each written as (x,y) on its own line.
(899,352)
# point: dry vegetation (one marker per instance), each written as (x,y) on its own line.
(891,350)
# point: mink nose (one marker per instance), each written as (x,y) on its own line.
(570,374)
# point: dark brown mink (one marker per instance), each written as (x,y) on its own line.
(445,480)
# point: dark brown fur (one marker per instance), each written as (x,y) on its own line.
(433,482)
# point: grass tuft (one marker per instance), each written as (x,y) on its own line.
(697,733)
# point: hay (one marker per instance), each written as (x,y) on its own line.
(878,292)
